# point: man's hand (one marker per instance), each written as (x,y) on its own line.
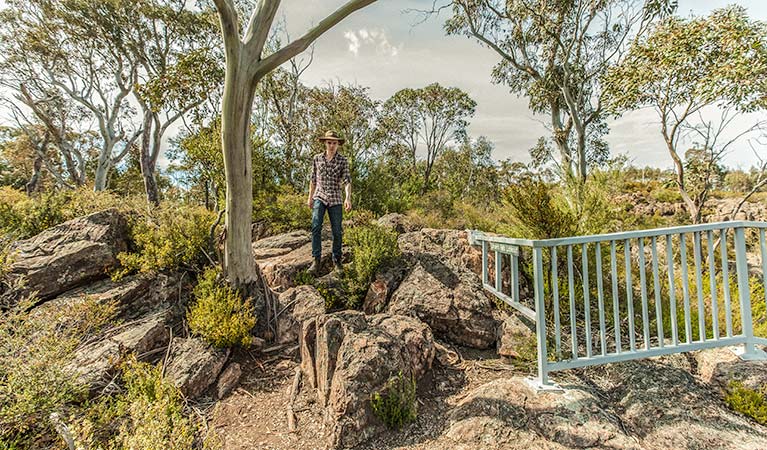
(348,205)
(310,203)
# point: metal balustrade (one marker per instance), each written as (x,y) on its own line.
(600,310)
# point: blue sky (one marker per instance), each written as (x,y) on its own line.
(382,48)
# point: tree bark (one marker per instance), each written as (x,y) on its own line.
(146,163)
(237,104)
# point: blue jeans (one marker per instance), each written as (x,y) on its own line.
(335,213)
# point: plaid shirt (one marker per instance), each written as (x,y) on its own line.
(328,178)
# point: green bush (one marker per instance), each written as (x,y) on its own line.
(169,237)
(372,246)
(218,314)
(283,212)
(396,406)
(149,414)
(747,401)
(34,350)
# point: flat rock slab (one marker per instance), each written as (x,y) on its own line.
(70,254)
(131,297)
(194,365)
(95,363)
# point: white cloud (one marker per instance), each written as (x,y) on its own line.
(375,39)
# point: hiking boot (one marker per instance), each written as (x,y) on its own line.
(339,269)
(314,269)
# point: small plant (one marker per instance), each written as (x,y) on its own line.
(303,277)
(171,237)
(148,414)
(396,406)
(218,314)
(748,402)
(373,247)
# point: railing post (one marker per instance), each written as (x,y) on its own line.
(744,294)
(540,317)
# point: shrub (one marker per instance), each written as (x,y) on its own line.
(170,237)
(373,246)
(283,212)
(747,401)
(396,406)
(34,349)
(149,414)
(218,314)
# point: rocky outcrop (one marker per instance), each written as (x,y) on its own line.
(516,334)
(509,413)
(451,301)
(70,254)
(382,287)
(95,364)
(348,356)
(398,223)
(449,246)
(295,306)
(720,366)
(720,210)
(194,365)
(283,256)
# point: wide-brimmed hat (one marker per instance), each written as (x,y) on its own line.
(332,135)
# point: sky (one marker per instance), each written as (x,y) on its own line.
(388,46)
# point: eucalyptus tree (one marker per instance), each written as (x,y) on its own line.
(246,65)
(555,54)
(350,111)
(63,48)
(180,68)
(687,67)
(427,118)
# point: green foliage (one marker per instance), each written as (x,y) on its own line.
(748,402)
(396,406)
(303,277)
(283,212)
(373,246)
(34,350)
(149,414)
(168,237)
(536,214)
(219,314)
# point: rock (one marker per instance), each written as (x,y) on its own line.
(287,241)
(450,246)
(194,365)
(670,409)
(508,413)
(720,366)
(131,296)
(297,305)
(70,254)
(381,289)
(398,223)
(308,345)
(451,301)
(228,380)
(720,210)
(515,333)
(354,356)
(280,265)
(95,363)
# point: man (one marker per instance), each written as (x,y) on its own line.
(330,170)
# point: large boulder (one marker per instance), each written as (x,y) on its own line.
(348,356)
(295,306)
(509,413)
(451,301)
(194,365)
(398,223)
(451,246)
(95,364)
(70,254)
(721,366)
(382,288)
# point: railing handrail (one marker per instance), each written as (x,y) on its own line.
(505,248)
(574,240)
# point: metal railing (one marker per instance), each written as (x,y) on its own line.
(585,316)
